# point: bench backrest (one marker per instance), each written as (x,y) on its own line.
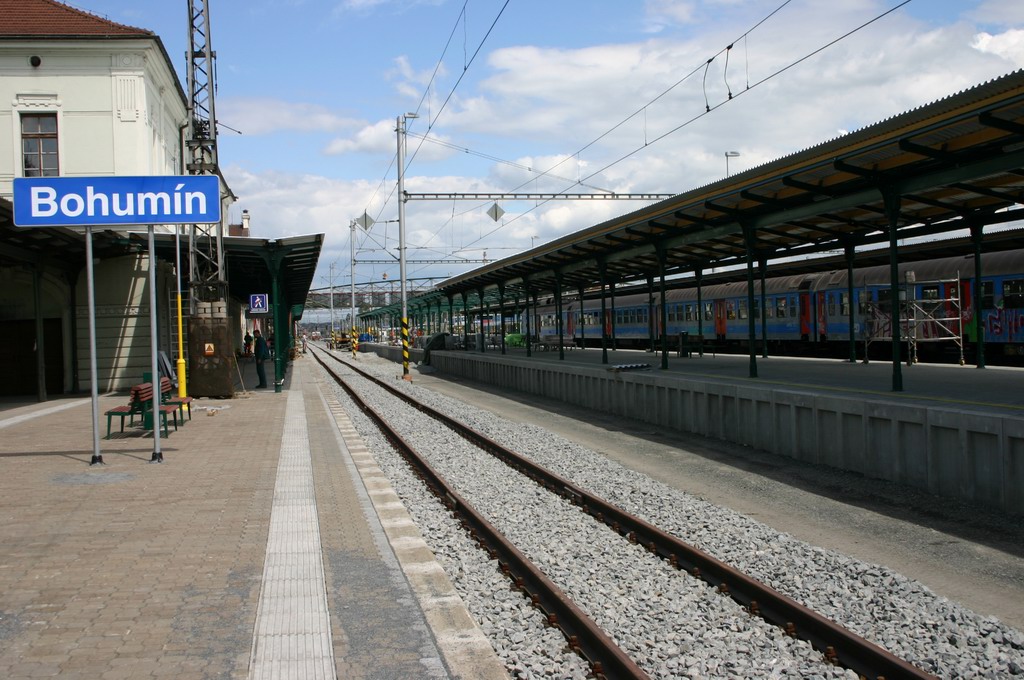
(142,394)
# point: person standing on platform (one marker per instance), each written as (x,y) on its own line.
(261,355)
(247,344)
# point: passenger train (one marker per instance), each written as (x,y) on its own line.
(809,313)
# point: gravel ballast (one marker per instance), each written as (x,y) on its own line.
(671,625)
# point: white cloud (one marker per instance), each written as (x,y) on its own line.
(1008,45)
(265,115)
(661,14)
(381,138)
(376,138)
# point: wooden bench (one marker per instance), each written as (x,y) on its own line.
(167,396)
(140,401)
(130,410)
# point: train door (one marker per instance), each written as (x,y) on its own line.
(967,310)
(823,311)
(656,319)
(805,316)
(721,317)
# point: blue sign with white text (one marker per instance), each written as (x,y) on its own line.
(102,201)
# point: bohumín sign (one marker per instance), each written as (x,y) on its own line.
(95,201)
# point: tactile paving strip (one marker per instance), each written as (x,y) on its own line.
(292,639)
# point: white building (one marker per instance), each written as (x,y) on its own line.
(81,96)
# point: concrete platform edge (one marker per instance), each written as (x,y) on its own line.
(466,650)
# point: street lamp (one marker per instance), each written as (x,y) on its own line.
(728,155)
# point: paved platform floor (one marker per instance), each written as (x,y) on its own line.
(214,564)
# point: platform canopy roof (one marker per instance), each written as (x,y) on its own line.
(60,248)
(938,168)
(249,261)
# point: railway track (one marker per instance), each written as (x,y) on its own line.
(837,645)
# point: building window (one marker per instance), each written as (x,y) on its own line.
(39,145)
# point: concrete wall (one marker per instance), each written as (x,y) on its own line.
(968,456)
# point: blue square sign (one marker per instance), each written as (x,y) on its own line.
(258,303)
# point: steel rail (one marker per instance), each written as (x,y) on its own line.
(840,645)
(606,659)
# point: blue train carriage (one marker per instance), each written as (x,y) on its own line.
(810,312)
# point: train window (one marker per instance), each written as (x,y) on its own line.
(987,295)
(780,307)
(884,295)
(929,292)
(757,307)
(863,300)
(643,315)
(708,311)
(792,306)
(689,312)
(731,313)
(742,309)
(831,304)
(1013,294)
(844,304)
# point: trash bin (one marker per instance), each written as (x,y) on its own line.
(684,344)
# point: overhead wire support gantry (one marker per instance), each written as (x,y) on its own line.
(534,197)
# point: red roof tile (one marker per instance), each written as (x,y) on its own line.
(49,18)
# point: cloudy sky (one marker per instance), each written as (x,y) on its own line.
(546,96)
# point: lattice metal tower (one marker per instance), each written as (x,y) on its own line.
(205,241)
(210,342)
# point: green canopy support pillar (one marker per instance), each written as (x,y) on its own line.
(977,235)
(699,275)
(892,200)
(280,323)
(465,320)
(762,263)
(583,321)
(501,316)
(750,238)
(849,250)
(558,315)
(650,314)
(663,308)
(529,315)
(603,321)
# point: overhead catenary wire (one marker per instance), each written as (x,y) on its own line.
(710,109)
(578,182)
(425,97)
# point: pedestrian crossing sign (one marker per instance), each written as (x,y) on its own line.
(258,303)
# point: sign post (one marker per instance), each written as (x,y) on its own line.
(117,201)
(97,457)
